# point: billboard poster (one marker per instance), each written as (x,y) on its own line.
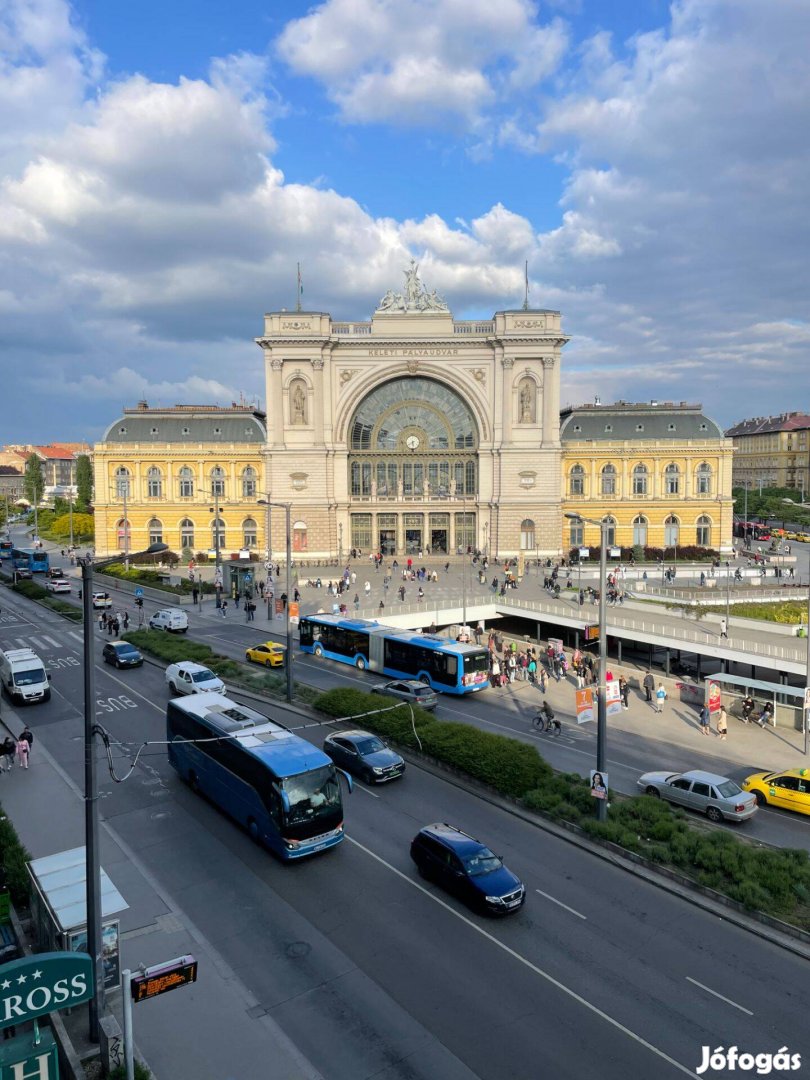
(599,784)
(585,711)
(714,697)
(613,698)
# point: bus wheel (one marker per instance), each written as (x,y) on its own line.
(360,663)
(253,830)
(318,650)
(424,679)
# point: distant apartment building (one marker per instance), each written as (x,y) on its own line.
(772,451)
(58,465)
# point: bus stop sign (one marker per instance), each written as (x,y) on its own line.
(163,977)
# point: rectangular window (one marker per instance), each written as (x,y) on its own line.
(186,537)
(249,537)
(704,535)
(361,531)
(156,533)
(248,488)
(608,484)
(577,485)
(673,483)
(639,483)
(154,488)
(361,478)
(576,535)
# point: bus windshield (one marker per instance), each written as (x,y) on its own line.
(312,795)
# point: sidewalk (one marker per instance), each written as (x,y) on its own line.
(205,1030)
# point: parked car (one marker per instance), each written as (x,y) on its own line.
(171,619)
(22,573)
(101,600)
(410,690)
(789,789)
(56,572)
(56,585)
(365,755)
(269,653)
(715,796)
(190,678)
(121,654)
(464,866)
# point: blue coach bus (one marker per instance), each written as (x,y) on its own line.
(6,548)
(448,666)
(280,787)
(30,559)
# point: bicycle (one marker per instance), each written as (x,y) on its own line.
(549,725)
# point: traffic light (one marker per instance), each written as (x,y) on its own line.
(139,601)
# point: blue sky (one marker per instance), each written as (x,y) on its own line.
(164,166)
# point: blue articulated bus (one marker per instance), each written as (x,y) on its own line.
(281,788)
(30,559)
(451,667)
(6,548)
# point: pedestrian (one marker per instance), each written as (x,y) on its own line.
(8,751)
(236,597)
(704,720)
(382,606)
(356,601)
(223,610)
(421,594)
(649,685)
(660,698)
(23,750)
(722,723)
(724,627)
(102,620)
(126,621)
(624,691)
(402,592)
(367,588)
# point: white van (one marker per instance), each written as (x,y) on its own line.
(23,675)
(172,619)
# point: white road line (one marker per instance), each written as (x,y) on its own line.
(709,990)
(527,963)
(75,636)
(56,644)
(554,900)
(36,643)
(360,787)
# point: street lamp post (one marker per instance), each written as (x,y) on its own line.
(340,543)
(92,865)
(70,504)
(287,507)
(805,714)
(601,690)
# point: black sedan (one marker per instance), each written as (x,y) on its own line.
(365,755)
(122,654)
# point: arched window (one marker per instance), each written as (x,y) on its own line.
(218,481)
(576,481)
(609,480)
(576,535)
(527,535)
(218,533)
(248,482)
(186,533)
(610,531)
(299,536)
(640,530)
(249,533)
(124,535)
(186,479)
(154,482)
(672,479)
(671,531)
(122,483)
(703,531)
(703,479)
(155,530)
(640,477)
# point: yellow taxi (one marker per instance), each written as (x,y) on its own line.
(789,790)
(269,653)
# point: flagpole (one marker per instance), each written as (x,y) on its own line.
(298,297)
(526,296)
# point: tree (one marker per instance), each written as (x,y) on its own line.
(33,481)
(84,480)
(83,527)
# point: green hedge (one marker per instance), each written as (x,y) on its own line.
(13,859)
(772,880)
(33,591)
(153,579)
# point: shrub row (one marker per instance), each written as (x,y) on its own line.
(32,591)
(13,859)
(153,579)
(774,881)
(172,650)
(685,553)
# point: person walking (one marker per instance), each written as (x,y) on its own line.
(649,685)
(704,720)
(102,620)
(724,627)
(660,698)
(8,751)
(356,601)
(126,621)
(624,691)
(223,610)
(23,750)
(722,723)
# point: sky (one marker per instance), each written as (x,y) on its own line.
(165,165)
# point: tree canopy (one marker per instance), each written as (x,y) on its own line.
(84,480)
(33,481)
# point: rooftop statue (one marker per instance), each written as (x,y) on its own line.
(415,299)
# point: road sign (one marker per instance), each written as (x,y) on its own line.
(139,591)
(162,978)
(590,633)
(42,984)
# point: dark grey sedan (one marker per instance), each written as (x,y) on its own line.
(411,690)
(365,755)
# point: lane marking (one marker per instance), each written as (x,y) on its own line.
(75,636)
(36,643)
(360,787)
(55,644)
(554,900)
(709,990)
(527,963)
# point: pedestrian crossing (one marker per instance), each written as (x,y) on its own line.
(39,642)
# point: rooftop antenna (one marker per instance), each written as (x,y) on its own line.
(526,293)
(300,291)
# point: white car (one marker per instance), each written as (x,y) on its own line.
(172,619)
(101,600)
(57,585)
(189,678)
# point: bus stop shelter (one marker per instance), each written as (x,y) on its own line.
(787,701)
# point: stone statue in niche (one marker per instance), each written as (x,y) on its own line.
(526,397)
(298,403)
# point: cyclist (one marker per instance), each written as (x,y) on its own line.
(551,721)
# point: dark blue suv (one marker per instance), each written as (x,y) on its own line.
(466,867)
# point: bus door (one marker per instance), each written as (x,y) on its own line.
(376,645)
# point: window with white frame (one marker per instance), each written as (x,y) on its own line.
(610,531)
(640,531)
(218,481)
(576,533)
(576,481)
(186,533)
(672,479)
(154,482)
(248,482)
(527,535)
(703,531)
(155,530)
(122,483)
(703,478)
(185,479)
(249,533)
(671,531)
(609,480)
(640,480)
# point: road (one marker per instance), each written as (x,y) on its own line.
(373,974)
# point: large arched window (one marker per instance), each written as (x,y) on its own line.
(299,536)
(155,530)
(154,482)
(248,482)
(218,533)
(703,479)
(185,479)
(186,533)
(249,533)
(123,533)
(640,479)
(218,481)
(640,531)
(610,531)
(672,528)
(527,535)
(672,479)
(703,531)
(122,483)
(576,480)
(609,480)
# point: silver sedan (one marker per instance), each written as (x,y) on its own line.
(411,690)
(715,796)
